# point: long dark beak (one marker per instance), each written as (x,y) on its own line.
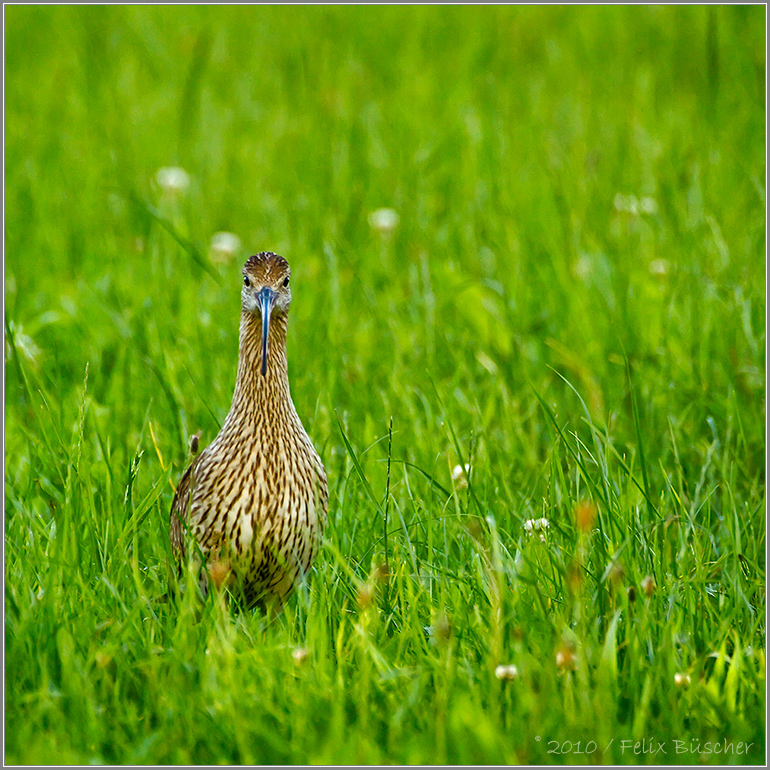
(266,299)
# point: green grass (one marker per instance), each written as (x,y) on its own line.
(573,303)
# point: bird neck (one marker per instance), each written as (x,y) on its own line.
(266,395)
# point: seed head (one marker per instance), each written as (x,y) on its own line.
(615,574)
(585,515)
(382,572)
(648,585)
(364,595)
(219,571)
(442,629)
(574,576)
(565,658)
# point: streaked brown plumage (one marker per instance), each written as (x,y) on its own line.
(255,499)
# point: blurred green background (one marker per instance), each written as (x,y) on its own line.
(580,201)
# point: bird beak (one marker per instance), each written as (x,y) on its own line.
(266,299)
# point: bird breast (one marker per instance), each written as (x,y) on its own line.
(249,491)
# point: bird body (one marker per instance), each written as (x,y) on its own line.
(255,499)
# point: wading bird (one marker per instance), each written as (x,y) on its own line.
(253,503)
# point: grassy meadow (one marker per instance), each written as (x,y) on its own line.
(571,303)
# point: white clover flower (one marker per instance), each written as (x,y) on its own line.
(537,525)
(507,673)
(173,180)
(584,266)
(460,471)
(624,203)
(384,221)
(224,246)
(299,655)
(460,474)
(681,680)
(660,266)
(628,204)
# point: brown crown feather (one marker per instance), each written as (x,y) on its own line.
(266,266)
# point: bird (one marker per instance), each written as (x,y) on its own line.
(252,505)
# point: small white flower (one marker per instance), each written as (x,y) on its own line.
(537,525)
(629,204)
(660,266)
(173,180)
(224,246)
(584,266)
(625,203)
(299,655)
(681,680)
(507,673)
(459,470)
(460,475)
(384,221)
(648,205)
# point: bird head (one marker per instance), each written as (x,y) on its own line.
(266,291)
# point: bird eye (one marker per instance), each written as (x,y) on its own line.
(286,282)
(246,281)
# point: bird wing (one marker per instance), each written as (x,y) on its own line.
(180,509)
(324,489)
